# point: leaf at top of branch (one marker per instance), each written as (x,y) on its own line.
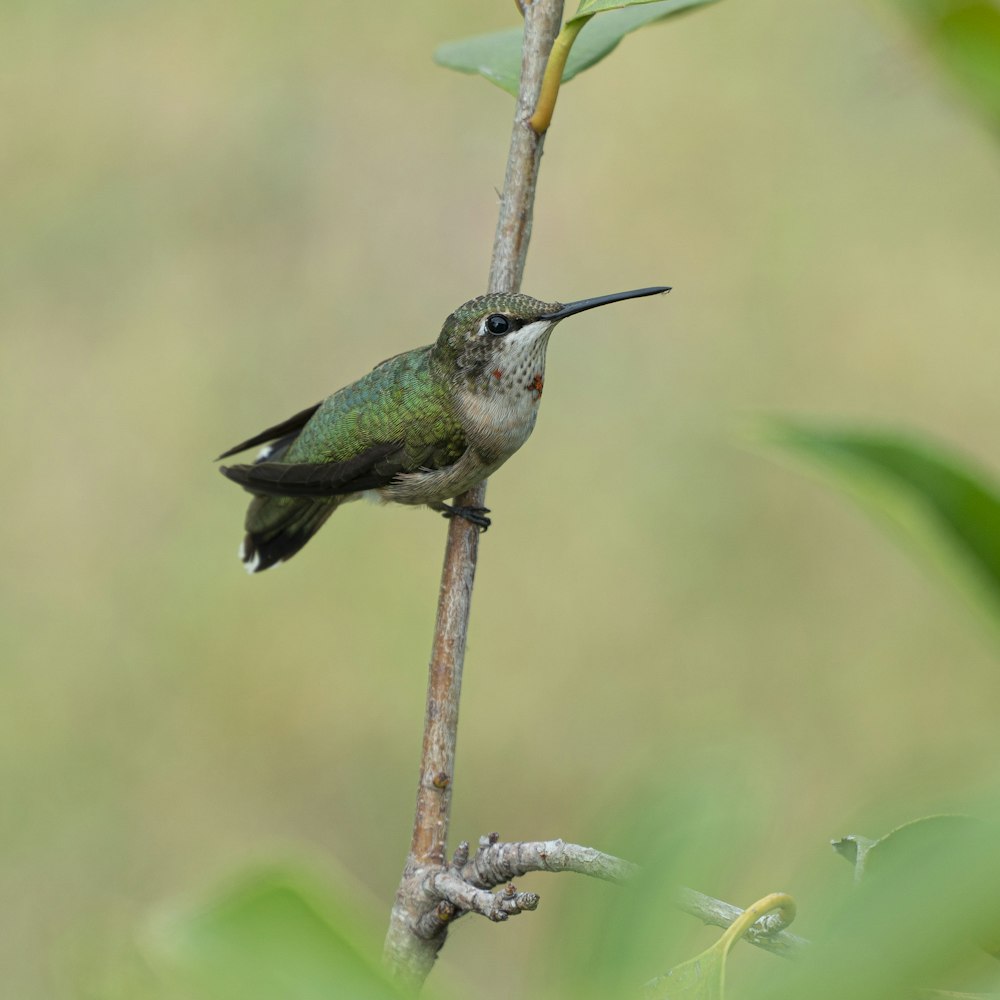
(589,7)
(936,502)
(497,57)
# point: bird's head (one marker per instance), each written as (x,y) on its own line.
(510,327)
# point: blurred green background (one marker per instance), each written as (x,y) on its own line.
(214,215)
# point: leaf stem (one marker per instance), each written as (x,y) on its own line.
(719,913)
(542,118)
(775,901)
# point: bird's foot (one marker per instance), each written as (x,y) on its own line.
(474,515)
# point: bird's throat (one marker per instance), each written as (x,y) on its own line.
(499,404)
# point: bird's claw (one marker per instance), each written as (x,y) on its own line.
(474,515)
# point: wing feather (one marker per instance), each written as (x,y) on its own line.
(286,428)
(376,466)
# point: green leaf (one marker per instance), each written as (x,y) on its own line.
(930,839)
(588,7)
(602,34)
(951,995)
(933,500)
(928,894)
(497,57)
(854,848)
(704,976)
(929,835)
(701,978)
(276,933)
(965,37)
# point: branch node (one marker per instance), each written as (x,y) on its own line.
(434,923)
(441,780)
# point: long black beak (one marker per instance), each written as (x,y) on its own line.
(572,308)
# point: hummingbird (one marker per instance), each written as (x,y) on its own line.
(420,428)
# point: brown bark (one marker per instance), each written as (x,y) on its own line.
(409,953)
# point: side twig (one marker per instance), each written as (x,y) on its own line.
(408,954)
(449,891)
(464,886)
(495,863)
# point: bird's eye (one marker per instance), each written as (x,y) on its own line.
(497,324)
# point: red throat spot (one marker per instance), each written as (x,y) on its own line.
(498,373)
(538,383)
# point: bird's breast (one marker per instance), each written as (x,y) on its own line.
(500,417)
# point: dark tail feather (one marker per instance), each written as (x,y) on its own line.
(277,527)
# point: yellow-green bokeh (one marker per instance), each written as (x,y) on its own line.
(213,215)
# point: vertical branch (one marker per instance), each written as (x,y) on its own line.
(510,245)
(409,955)
(510,248)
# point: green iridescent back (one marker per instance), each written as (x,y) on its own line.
(400,400)
(408,398)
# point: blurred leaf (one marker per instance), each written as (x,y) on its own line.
(275,934)
(701,978)
(907,927)
(497,56)
(965,36)
(914,844)
(704,976)
(854,848)
(951,995)
(927,833)
(924,837)
(937,503)
(612,938)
